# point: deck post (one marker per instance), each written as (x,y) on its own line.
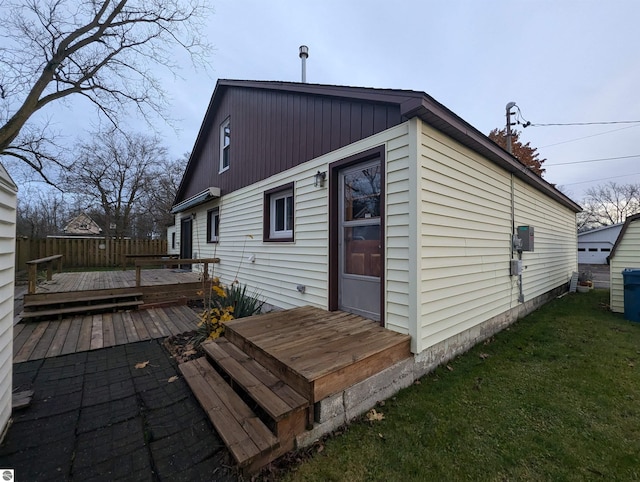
(205,275)
(49,271)
(138,276)
(33,274)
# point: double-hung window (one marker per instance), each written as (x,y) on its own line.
(225,144)
(279,214)
(213,225)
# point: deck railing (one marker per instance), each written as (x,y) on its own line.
(42,263)
(169,261)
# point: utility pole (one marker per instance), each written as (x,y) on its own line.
(510,106)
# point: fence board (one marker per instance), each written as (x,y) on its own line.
(85,252)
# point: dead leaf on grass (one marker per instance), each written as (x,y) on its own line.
(484,356)
(189,353)
(142,364)
(450,368)
(172,379)
(374,416)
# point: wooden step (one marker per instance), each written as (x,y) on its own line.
(80,299)
(80,309)
(281,408)
(274,396)
(248,439)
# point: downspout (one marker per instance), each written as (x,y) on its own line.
(515,240)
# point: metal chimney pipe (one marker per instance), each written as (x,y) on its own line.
(304,54)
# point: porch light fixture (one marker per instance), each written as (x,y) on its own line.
(320,177)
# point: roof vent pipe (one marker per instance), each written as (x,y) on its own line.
(304,54)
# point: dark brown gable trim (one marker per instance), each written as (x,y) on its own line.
(334,168)
(266,214)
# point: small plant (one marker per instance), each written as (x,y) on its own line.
(585,278)
(224,304)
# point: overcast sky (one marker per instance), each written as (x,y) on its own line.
(561,61)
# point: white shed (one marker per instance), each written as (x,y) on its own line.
(625,254)
(8,192)
(594,246)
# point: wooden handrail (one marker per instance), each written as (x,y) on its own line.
(126,257)
(33,264)
(174,261)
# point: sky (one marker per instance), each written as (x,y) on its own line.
(561,61)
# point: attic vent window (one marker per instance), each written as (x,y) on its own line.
(225,144)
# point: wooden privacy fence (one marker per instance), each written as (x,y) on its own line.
(86,252)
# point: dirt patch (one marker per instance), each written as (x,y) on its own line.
(182,348)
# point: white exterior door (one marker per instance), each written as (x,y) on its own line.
(359,239)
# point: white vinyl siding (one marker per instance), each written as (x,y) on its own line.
(555,256)
(7,275)
(627,255)
(465,239)
(278,268)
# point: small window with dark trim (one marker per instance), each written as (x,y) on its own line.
(593,250)
(605,250)
(581,249)
(213,225)
(279,214)
(225,144)
(173,240)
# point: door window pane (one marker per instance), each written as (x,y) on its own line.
(362,250)
(362,194)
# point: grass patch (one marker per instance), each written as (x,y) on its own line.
(554,397)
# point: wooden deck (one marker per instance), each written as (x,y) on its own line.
(260,382)
(99,280)
(318,352)
(33,341)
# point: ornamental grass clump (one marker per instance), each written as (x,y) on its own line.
(223,304)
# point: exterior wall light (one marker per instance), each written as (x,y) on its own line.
(320,177)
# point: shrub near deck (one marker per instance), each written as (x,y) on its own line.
(554,397)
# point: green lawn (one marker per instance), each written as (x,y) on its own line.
(554,397)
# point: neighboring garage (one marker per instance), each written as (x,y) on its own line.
(625,255)
(595,246)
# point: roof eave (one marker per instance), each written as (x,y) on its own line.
(444,120)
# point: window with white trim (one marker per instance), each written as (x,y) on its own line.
(279,215)
(213,225)
(225,144)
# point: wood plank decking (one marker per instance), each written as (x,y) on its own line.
(33,341)
(318,352)
(99,280)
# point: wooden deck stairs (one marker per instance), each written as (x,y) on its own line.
(259,382)
(58,305)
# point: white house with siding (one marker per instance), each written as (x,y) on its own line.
(624,255)
(385,204)
(595,245)
(8,192)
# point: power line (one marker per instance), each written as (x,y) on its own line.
(591,160)
(586,123)
(587,137)
(601,179)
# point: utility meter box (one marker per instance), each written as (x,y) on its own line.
(516,267)
(525,233)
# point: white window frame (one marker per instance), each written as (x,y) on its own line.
(286,233)
(226,125)
(213,225)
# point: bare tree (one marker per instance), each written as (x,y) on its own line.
(104,51)
(607,204)
(115,171)
(153,213)
(40,214)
